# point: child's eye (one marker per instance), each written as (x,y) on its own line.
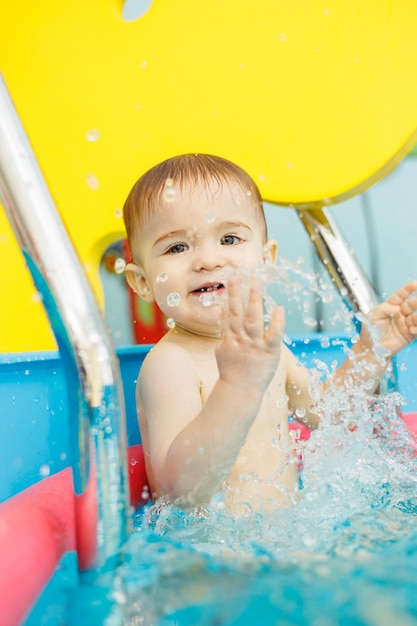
(177,248)
(230,240)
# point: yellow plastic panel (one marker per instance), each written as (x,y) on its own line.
(315,98)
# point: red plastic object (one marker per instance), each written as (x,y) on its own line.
(37,526)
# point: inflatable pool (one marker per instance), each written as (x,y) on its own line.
(37,511)
(101,98)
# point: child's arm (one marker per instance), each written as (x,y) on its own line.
(193,447)
(391,326)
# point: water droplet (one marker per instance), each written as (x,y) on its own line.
(92,181)
(262,177)
(119,265)
(93,134)
(168,195)
(118,213)
(210,217)
(325,342)
(403,367)
(208,298)
(300,412)
(44,470)
(310,321)
(281,402)
(282,37)
(173,299)
(27,372)
(133,462)
(170,323)
(37,297)
(162,278)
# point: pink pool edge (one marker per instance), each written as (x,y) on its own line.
(37,526)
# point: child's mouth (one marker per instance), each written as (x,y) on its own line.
(208,294)
(209,288)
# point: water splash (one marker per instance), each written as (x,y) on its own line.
(346,543)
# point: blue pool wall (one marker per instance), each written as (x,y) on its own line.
(34,414)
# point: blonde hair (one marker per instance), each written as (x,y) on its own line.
(183,171)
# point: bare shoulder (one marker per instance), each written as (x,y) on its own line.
(168,366)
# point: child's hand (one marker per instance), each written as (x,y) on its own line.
(395,319)
(248,354)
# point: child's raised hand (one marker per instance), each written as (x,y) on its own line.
(396,319)
(248,353)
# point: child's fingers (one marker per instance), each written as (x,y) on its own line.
(411,322)
(235,309)
(277,326)
(403,293)
(254,319)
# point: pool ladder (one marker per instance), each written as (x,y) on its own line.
(98,428)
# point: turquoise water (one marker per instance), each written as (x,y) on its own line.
(345,552)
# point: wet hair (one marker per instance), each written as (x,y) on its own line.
(185,171)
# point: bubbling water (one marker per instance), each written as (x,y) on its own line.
(352,519)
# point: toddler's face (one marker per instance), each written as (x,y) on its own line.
(193,243)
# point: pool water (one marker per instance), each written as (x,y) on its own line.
(345,552)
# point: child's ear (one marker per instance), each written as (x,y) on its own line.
(136,278)
(270,251)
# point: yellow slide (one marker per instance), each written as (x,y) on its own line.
(315,98)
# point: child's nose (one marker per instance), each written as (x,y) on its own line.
(208,258)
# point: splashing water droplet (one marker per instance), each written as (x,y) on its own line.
(173,299)
(92,181)
(162,278)
(169,194)
(118,213)
(208,298)
(93,134)
(210,218)
(170,323)
(119,265)
(44,470)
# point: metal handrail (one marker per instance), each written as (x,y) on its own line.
(98,428)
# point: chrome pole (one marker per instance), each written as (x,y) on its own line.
(97,430)
(339,260)
(344,271)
